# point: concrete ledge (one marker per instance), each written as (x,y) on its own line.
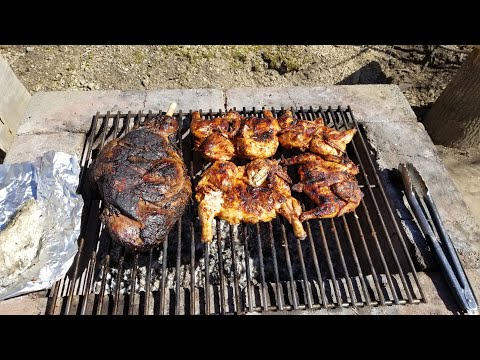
(29,304)
(409,142)
(28,147)
(57,111)
(373,103)
(14,99)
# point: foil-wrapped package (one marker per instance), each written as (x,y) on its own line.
(40,218)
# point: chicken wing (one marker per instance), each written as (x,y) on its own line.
(251,193)
(331,186)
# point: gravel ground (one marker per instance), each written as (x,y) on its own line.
(58,67)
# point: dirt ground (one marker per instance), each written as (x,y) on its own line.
(420,71)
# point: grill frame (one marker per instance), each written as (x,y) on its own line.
(75,293)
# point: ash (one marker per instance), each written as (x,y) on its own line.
(230,243)
(263,241)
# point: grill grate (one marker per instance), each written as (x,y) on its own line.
(358,259)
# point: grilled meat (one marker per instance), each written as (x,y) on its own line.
(256,138)
(298,135)
(217,147)
(144,183)
(251,193)
(212,135)
(315,136)
(332,186)
(222,138)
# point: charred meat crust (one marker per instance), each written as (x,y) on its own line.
(144,183)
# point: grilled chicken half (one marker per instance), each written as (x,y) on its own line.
(255,137)
(314,136)
(144,183)
(222,138)
(212,135)
(331,186)
(252,193)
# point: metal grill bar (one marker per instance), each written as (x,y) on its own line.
(335,119)
(207,279)
(338,298)
(278,286)
(262,269)
(247,269)
(179,233)
(292,284)
(238,301)
(349,261)
(223,301)
(389,209)
(147,283)
(323,296)
(373,230)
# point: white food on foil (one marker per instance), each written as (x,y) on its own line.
(20,242)
(50,182)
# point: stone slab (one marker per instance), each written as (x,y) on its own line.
(29,304)
(28,147)
(377,103)
(398,142)
(57,111)
(14,98)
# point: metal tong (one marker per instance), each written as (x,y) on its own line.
(441,246)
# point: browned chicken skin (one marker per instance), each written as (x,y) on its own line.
(251,193)
(254,137)
(315,136)
(212,135)
(223,138)
(332,186)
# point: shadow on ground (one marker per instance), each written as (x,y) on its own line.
(371,73)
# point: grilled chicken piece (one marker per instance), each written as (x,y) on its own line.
(212,135)
(251,193)
(233,135)
(256,138)
(298,135)
(217,147)
(144,183)
(315,136)
(332,186)
(331,144)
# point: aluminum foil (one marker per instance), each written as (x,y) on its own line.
(52,181)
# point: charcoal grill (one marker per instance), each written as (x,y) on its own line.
(358,259)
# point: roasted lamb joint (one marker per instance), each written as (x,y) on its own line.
(251,193)
(144,183)
(331,186)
